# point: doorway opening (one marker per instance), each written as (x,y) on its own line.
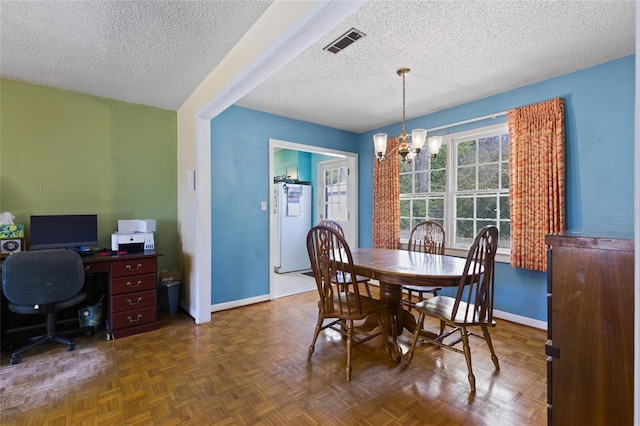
(297,281)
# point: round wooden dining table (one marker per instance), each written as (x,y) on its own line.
(395,268)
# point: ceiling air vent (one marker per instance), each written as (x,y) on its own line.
(344,40)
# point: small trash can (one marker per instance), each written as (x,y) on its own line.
(169,296)
(91,316)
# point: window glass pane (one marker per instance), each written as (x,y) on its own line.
(327,177)
(421,161)
(406,184)
(489,149)
(343,175)
(405,207)
(505,176)
(405,228)
(466,178)
(464,207)
(504,239)
(505,147)
(505,208)
(421,182)
(419,209)
(438,181)
(486,207)
(488,175)
(464,232)
(342,190)
(466,153)
(342,211)
(482,223)
(440,162)
(335,176)
(404,167)
(436,208)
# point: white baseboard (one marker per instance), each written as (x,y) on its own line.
(520,319)
(238,303)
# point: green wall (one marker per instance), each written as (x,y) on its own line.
(64,152)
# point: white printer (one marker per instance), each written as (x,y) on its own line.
(132,242)
(134,235)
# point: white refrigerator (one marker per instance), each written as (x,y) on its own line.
(292,207)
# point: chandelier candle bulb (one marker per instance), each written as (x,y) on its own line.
(380,145)
(435,142)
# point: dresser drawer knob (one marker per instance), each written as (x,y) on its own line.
(134,285)
(134,320)
(138,266)
(132,303)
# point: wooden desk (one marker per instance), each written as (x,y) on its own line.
(395,268)
(130,298)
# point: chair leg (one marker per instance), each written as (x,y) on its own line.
(409,296)
(349,347)
(383,332)
(416,335)
(467,355)
(315,336)
(487,338)
(15,355)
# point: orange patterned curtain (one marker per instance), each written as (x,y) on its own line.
(537,180)
(386,199)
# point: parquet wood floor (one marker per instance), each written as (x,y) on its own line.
(248,367)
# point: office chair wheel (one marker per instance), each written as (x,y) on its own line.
(71,346)
(15,359)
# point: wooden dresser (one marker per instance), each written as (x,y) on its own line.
(590,327)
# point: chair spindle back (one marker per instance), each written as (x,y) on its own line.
(330,256)
(476,286)
(427,237)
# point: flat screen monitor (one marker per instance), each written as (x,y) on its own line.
(63,231)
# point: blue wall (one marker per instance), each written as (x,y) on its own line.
(239,182)
(599,167)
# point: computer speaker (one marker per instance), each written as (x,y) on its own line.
(11,245)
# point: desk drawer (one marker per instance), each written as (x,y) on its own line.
(133,317)
(140,299)
(95,268)
(133,284)
(124,268)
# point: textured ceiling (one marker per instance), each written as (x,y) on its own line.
(156,53)
(458,51)
(147,52)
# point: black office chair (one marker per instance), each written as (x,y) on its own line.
(44,282)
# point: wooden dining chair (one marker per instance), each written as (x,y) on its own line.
(426,237)
(340,279)
(340,303)
(471,307)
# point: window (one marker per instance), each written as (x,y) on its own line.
(335,194)
(464,188)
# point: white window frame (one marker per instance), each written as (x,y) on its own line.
(503,254)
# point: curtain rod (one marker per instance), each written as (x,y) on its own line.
(471,120)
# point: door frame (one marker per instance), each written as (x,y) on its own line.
(280,144)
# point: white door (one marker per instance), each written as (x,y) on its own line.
(337,196)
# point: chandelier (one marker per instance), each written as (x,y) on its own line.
(407,151)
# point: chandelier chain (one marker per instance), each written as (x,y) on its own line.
(404,126)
